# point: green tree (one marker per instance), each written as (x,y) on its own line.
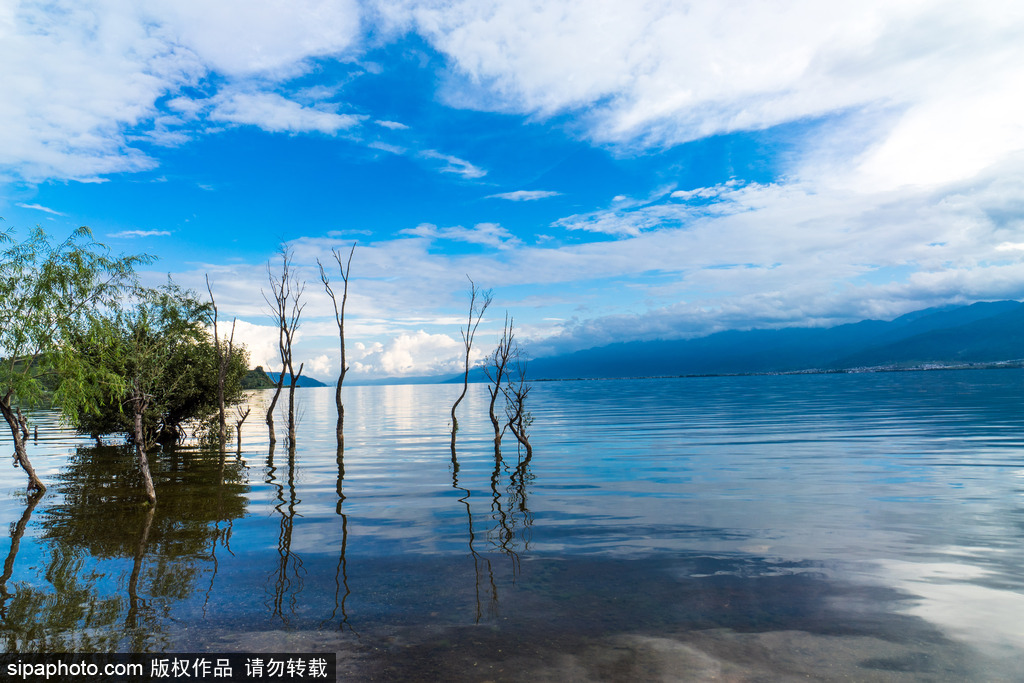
(152,367)
(47,290)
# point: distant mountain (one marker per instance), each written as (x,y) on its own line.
(257,378)
(984,332)
(303,380)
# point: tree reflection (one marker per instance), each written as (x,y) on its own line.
(115,568)
(479,560)
(288,576)
(509,531)
(341,573)
(17,532)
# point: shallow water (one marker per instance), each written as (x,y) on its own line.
(865,527)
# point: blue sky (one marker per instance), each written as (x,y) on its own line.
(611,170)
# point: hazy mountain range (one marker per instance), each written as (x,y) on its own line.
(987,332)
(978,334)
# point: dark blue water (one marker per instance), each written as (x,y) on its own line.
(862,527)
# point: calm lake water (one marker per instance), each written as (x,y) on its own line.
(855,527)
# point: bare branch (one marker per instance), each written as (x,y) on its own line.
(339,317)
(476,308)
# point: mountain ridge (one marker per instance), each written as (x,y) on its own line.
(982,332)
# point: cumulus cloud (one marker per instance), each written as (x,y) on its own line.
(320,366)
(421,353)
(83,82)
(242,37)
(260,340)
(661,73)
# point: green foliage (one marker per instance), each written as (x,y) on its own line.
(258,379)
(46,291)
(155,353)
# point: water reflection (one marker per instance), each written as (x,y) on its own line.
(478,559)
(289,573)
(114,567)
(873,521)
(17,532)
(341,572)
(507,533)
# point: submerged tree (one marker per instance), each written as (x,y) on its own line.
(496,369)
(147,369)
(223,360)
(286,306)
(478,303)
(339,317)
(516,389)
(46,291)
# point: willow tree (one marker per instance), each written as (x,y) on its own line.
(339,317)
(46,291)
(150,367)
(157,340)
(478,303)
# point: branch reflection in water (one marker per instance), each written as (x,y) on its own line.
(223,536)
(17,532)
(341,573)
(511,523)
(288,577)
(477,557)
(116,567)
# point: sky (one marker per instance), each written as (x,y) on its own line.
(610,170)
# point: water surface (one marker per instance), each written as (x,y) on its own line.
(865,527)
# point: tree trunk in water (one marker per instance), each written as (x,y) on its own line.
(291,403)
(455,420)
(494,418)
(291,414)
(20,454)
(340,428)
(273,404)
(270,427)
(140,449)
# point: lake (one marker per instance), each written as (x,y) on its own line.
(840,526)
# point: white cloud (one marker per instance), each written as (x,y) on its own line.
(487,234)
(260,340)
(131,234)
(392,125)
(277,114)
(930,87)
(321,366)
(455,165)
(74,80)
(525,195)
(385,147)
(412,354)
(82,81)
(245,37)
(40,207)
